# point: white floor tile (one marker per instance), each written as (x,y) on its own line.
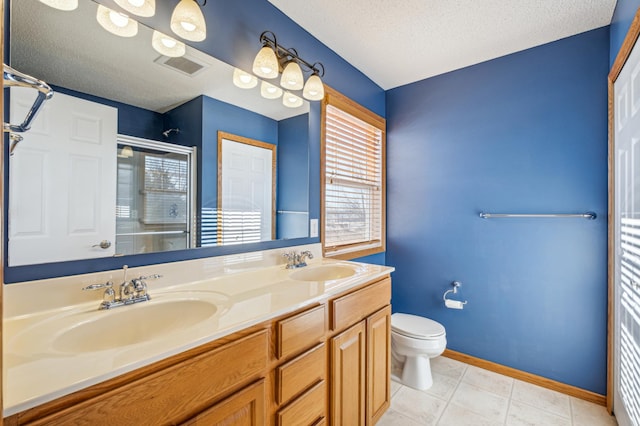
(455,415)
(417,405)
(443,386)
(480,401)
(393,418)
(521,414)
(488,380)
(585,413)
(448,367)
(395,387)
(539,397)
(466,395)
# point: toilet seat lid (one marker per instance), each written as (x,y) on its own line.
(415,326)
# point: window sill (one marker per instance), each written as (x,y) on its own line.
(353,252)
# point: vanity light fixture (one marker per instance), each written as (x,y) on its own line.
(188,22)
(167,46)
(269,91)
(126,152)
(244,80)
(66,5)
(272,57)
(144,8)
(292,77)
(313,89)
(116,23)
(290,100)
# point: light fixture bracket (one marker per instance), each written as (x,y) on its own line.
(286,55)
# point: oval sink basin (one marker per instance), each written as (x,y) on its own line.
(322,273)
(128,325)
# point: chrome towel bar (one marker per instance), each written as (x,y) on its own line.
(15,78)
(587,215)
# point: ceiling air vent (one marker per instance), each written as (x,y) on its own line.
(187,65)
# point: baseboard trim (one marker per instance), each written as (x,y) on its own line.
(528,377)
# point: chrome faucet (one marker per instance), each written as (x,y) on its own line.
(133,291)
(297,260)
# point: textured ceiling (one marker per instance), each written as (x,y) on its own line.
(70,49)
(396,42)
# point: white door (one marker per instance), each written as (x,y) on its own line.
(627,243)
(62,191)
(247,193)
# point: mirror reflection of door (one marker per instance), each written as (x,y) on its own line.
(61,181)
(154,197)
(246,189)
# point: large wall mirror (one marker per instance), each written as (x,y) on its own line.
(139,153)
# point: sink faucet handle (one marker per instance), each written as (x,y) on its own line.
(108,284)
(109,295)
(306,253)
(140,287)
(292,259)
(150,277)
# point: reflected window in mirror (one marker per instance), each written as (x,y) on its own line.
(155,206)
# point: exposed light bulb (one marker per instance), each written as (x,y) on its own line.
(116,23)
(313,89)
(167,46)
(292,77)
(269,91)
(66,5)
(188,22)
(168,42)
(266,63)
(144,8)
(118,19)
(244,80)
(290,100)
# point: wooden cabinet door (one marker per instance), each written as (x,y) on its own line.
(378,364)
(348,373)
(244,408)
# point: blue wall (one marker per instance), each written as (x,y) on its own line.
(522,133)
(132,121)
(620,22)
(293,177)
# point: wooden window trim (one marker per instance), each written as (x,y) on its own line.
(340,101)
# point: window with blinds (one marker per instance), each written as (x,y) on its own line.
(354,175)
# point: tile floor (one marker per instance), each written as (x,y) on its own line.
(466,395)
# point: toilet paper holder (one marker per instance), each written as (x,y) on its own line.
(451,303)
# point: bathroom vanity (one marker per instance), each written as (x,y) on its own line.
(304,346)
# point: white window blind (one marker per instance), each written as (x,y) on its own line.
(165,190)
(354,190)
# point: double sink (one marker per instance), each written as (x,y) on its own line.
(85,329)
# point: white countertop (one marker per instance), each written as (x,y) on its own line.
(36,372)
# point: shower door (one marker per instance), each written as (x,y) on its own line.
(626,220)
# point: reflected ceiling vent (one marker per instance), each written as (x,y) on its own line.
(187,64)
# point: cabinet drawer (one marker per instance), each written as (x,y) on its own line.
(306,410)
(349,309)
(296,333)
(244,407)
(176,393)
(300,373)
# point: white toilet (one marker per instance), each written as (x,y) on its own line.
(414,340)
